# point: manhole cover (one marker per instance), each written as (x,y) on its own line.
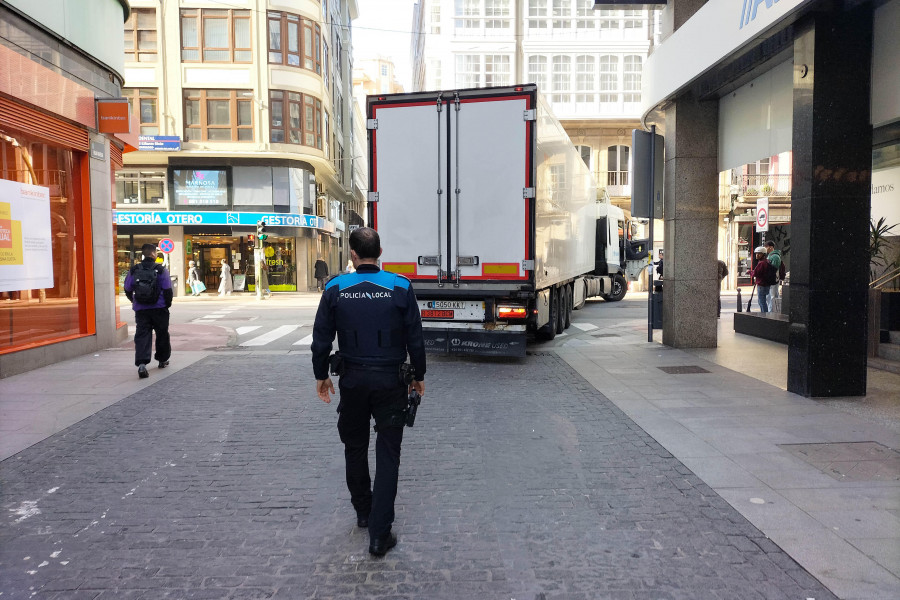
(850,461)
(683,370)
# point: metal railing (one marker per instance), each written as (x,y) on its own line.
(885,279)
(761,185)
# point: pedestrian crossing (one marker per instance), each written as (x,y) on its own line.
(270,336)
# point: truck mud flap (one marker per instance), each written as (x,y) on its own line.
(475,343)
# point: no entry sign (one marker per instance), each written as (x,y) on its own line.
(166,245)
(762,214)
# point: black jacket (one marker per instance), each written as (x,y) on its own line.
(376,318)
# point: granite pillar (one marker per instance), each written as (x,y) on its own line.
(832,158)
(691,210)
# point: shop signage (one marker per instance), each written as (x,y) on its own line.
(159,143)
(149,217)
(26,250)
(113,116)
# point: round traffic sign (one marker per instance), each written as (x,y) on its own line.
(762,217)
(166,245)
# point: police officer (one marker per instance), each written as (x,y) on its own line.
(376,318)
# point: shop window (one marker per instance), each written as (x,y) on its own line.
(140,35)
(48,300)
(141,187)
(218,115)
(215,35)
(144,104)
(295,119)
(294,41)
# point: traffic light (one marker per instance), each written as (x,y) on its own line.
(261,234)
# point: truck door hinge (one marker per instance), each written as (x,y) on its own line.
(372,196)
(371,123)
(529,115)
(528,265)
(528,192)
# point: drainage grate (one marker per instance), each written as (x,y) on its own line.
(683,370)
(850,461)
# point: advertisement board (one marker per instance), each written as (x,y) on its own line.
(26,250)
(199,187)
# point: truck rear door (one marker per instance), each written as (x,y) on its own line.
(451,177)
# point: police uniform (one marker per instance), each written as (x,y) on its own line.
(376,319)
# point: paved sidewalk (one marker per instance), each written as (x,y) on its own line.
(518,481)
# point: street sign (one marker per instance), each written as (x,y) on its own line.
(762,214)
(166,245)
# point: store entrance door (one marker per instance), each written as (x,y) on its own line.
(211,264)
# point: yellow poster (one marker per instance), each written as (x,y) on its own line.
(10,237)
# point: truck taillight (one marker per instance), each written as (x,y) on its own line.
(510,312)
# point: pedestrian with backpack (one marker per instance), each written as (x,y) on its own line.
(775,259)
(763,276)
(149,288)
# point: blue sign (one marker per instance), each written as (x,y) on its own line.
(151,217)
(164,143)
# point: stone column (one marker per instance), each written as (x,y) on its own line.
(691,214)
(830,203)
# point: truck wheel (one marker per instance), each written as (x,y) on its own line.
(619,287)
(548,331)
(568,306)
(561,311)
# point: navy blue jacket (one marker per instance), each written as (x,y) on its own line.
(376,318)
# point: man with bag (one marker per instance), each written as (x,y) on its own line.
(149,288)
(777,264)
(376,318)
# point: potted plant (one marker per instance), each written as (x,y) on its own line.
(751,192)
(766,190)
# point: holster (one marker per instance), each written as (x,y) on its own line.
(336,364)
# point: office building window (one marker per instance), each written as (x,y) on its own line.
(585,78)
(295,119)
(468,70)
(562,79)
(537,71)
(144,104)
(436,18)
(496,70)
(218,115)
(294,41)
(215,35)
(632,78)
(584,10)
(537,13)
(140,35)
(141,187)
(562,12)
(609,79)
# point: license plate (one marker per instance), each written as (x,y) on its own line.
(446,304)
(437,314)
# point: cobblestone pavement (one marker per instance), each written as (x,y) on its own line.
(519,481)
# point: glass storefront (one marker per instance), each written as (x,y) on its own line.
(35,316)
(128,253)
(208,251)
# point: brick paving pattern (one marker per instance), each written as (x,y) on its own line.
(519,481)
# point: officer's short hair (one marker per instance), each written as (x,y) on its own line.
(149,250)
(365,242)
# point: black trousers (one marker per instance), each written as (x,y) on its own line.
(364,395)
(147,321)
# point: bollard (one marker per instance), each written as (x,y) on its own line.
(740,302)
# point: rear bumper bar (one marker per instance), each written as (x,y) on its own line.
(475,343)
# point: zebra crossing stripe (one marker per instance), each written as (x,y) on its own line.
(248,329)
(584,326)
(307,341)
(271,336)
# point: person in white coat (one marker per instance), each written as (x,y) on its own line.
(226,286)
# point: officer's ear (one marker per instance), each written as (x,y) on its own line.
(380,250)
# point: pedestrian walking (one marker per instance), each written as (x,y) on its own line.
(149,288)
(226,285)
(349,268)
(723,273)
(763,275)
(194,279)
(264,278)
(775,259)
(376,318)
(321,273)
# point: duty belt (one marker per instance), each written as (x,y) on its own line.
(370,367)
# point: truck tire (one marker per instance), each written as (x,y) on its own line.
(561,311)
(619,288)
(548,331)
(570,297)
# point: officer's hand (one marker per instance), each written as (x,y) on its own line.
(324,388)
(419,386)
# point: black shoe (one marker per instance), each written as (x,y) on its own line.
(142,372)
(381,546)
(163,364)
(362,522)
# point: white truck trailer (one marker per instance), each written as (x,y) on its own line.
(481,200)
